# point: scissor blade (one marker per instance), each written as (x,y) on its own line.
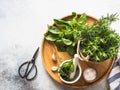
(35,54)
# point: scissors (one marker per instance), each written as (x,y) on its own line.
(30,66)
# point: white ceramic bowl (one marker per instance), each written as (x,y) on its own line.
(72,81)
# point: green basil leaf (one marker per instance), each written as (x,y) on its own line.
(51,37)
(71,50)
(53,30)
(66,41)
(60,45)
(62,22)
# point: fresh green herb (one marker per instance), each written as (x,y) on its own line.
(98,41)
(60,59)
(66,69)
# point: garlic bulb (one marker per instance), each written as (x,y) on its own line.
(89,74)
(54,68)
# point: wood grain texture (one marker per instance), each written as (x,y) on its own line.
(48,48)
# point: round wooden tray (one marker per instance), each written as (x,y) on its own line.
(48,48)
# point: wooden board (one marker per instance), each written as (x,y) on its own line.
(48,48)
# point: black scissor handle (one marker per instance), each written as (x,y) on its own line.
(28,71)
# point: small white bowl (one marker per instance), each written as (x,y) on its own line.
(72,81)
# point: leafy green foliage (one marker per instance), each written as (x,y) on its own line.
(66,69)
(51,37)
(53,29)
(98,41)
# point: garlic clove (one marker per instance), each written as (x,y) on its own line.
(87,57)
(53,57)
(54,68)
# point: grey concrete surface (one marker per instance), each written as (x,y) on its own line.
(22,25)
